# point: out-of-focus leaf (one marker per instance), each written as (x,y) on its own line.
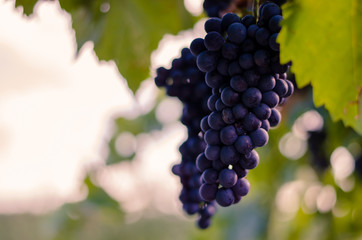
(125,31)
(324,41)
(28,5)
(142,124)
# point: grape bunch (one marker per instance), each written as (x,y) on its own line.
(214,7)
(241,60)
(186,82)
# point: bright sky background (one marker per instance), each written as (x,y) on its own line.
(56,117)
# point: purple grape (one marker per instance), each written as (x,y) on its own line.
(250,161)
(228,178)
(228,135)
(244,144)
(225,197)
(259,137)
(241,187)
(208,191)
(210,175)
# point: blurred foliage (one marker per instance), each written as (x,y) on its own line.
(331,60)
(124,31)
(142,124)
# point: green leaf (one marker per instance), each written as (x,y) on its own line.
(125,31)
(28,5)
(128,32)
(324,41)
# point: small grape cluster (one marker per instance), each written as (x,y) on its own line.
(185,81)
(214,7)
(241,60)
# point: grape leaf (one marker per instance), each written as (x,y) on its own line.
(324,42)
(125,31)
(27,5)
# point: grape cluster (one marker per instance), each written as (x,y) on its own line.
(241,60)
(214,7)
(185,81)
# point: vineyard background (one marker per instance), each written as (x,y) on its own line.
(87,144)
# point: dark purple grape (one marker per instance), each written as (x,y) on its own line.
(275,118)
(202,163)
(273,42)
(248,20)
(212,153)
(261,58)
(229,97)
(274,23)
(225,197)
(239,170)
(262,111)
(215,121)
(251,97)
(197,46)
(218,165)
(266,83)
(223,66)
(236,32)
(241,188)
(262,36)
(269,10)
(244,144)
(281,88)
(207,61)
(270,98)
(210,175)
(213,41)
(212,137)
(246,61)
(219,105)
(208,191)
(234,68)
(228,135)
(230,51)
(213,25)
(211,102)
(290,88)
(227,116)
(251,77)
(229,19)
(252,29)
(191,208)
(229,155)
(227,178)
(203,223)
(265,125)
(239,111)
(214,79)
(248,45)
(208,211)
(238,83)
(250,161)
(259,137)
(251,122)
